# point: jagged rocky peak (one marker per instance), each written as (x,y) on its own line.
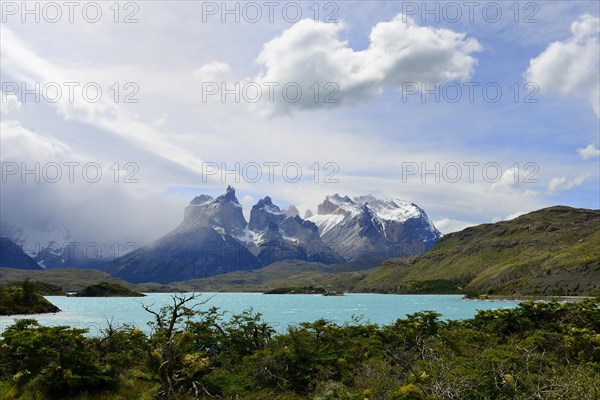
(228,196)
(297,227)
(291,211)
(263,213)
(286,237)
(267,205)
(224,212)
(308,213)
(336,204)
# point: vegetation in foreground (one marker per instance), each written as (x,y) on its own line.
(22,298)
(535,351)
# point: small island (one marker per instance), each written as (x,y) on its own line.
(108,289)
(22,298)
(304,290)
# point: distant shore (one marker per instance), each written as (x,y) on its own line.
(570,299)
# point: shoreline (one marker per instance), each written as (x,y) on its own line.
(570,299)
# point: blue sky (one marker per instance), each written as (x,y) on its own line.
(370,139)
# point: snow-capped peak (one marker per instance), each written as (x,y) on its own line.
(385,209)
(267,205)
(390,209)
(228,196)
(367,225)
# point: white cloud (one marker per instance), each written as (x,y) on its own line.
(93,207)
(18,141)
(515,182)
(25,64)
(589,152)
(448,225)
(562,183)
(247,202)
(508,217)
(511,179)
(399,51)
(570,67)
(209,71)
(8,103)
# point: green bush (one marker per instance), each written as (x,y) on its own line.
(56,360)
(537,350)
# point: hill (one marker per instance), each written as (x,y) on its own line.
(45,289)
(552,251)
(108,289)
(69,279)
(287,273)
(22,299)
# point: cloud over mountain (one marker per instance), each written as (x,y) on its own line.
(399,51)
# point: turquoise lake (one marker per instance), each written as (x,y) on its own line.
(279,311)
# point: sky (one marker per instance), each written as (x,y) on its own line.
(115,115)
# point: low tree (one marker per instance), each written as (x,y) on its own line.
(58,361)
(178,366)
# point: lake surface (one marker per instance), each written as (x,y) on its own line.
(279,311)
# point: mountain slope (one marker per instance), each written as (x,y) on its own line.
(68,279)
(12,256)
(552,251)
(204,244)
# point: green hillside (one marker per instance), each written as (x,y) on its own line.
(22,298)
(553,251)
(108,289)
(69,279)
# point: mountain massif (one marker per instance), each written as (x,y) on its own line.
(552,251)
(367,226)
(215,238)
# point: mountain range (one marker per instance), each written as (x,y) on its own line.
(552,251)
(215,238)
(51,245)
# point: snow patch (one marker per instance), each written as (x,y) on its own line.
(326,221)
